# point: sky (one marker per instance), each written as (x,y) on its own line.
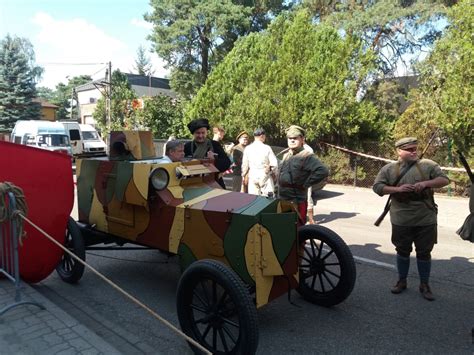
(68,35)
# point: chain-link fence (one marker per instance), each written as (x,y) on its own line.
(360,168)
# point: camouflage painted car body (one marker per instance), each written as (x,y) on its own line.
(192,217)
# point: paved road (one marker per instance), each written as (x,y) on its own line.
(372,320)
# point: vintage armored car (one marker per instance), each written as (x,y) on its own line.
(237,251)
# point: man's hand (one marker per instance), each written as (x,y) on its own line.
(420,186)
(406,188)
(211,155)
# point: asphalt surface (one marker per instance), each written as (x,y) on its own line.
(371,320)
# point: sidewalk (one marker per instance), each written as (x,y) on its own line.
(26,329)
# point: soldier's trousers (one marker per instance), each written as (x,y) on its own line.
(424,238)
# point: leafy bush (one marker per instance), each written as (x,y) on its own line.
(341,171)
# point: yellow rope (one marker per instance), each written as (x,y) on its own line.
(21,206)
(121,290)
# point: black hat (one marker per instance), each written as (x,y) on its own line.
(259,132)
(199,123)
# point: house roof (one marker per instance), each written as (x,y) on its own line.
(44,103)
(133,79)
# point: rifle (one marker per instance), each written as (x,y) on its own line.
(402,173)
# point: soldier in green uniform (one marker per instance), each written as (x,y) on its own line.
(299,170)
(413,211)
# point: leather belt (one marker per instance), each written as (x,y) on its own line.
(293,186)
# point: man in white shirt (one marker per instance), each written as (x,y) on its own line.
(174,152)
(259,164)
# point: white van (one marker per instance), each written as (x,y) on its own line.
(42,134)
(93,144)
(75,137)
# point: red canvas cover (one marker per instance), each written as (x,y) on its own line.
(47,182)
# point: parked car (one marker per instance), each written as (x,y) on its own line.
(42,134)
(93,144)
(74,132)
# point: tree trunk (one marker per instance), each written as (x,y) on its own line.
(205,47)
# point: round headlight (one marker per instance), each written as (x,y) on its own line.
(159,178)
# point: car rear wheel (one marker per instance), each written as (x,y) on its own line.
(69,269)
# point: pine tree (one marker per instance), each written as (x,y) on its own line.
(142,63)
(17,82)
(194,36)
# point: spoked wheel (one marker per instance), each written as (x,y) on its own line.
(69,269)
(327,269)
(215,309)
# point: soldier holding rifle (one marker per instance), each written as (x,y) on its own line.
(413,212)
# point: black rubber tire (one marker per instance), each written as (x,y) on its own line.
(69,269)
(213,302)
(327,271)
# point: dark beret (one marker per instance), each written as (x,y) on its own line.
(259,132)
(199,123)
(405,142)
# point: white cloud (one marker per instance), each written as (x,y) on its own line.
(141,23)
(77,41)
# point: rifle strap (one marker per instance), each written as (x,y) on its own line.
(402,173)
(432,206)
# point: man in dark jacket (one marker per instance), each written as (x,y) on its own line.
(299,170)
(202,147)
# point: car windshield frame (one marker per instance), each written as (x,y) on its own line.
(90,136)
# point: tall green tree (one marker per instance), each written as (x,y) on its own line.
(163,115)
(396,30)
(296,72)
(142,62)
(18,76)
(448,78)
(122,112)
(192,36)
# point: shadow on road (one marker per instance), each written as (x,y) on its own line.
(324,194)
(325,218)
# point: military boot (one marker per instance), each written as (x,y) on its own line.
(399,287)
(426,292)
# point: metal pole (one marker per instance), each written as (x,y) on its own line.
(14,249)
(72,99)
(355,172)
(450,162)
(109,94)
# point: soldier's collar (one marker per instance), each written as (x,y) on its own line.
(406,162)
(297,150)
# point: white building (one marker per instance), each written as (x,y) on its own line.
(88,94)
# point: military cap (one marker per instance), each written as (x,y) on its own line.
(295,131)
(241,134)
(199,123)
(401,143)
(259,132)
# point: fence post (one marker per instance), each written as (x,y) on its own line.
(450,163)
(355,171)
(9,241)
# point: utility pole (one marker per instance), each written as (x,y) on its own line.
(108,102)
(72,100)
